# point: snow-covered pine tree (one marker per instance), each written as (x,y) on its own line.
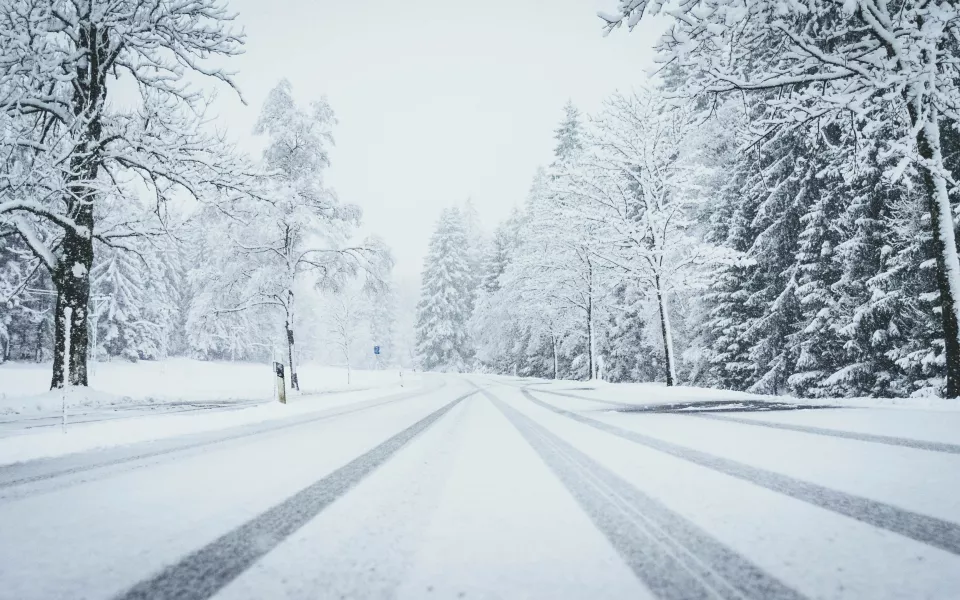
(727,312)
(814,63)
(120,279)
(476,247)
(781,188)
(444,307)
(905,303)
(495,327)
(569,135)
(820,349)
(873,319)
(499,251)
(626,349)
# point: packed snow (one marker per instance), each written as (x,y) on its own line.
(503,493)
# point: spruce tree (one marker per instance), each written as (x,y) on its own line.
(445,298)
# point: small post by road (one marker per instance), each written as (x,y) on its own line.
(281,383)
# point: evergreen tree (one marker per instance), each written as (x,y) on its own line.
(569,135)
(819,349)
(120,278)
(444,307)
(728,314)
(872,321)
(627,351)
(783,189)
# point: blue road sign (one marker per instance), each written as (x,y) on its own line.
(376,349)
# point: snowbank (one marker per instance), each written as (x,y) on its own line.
(121,405)
(79,437)
(24,387)
(658,393)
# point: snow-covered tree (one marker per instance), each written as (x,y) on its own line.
(445,298)
(569,134)
(636,182)
(345,314)
(68,149)
(298,231)
(383,318)
(875,64)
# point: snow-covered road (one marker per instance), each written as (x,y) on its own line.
(477,487)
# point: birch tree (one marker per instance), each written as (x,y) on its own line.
(636,182)
(561,274)
(344,317)
(570,257)
(299,232)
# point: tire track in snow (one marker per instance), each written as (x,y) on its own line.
(202,574)
(932,531)
(850,435)
(673,557)
(839,433)
(39,470)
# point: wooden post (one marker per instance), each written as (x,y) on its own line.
(281,384)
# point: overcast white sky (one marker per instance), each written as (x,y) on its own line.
(437,100)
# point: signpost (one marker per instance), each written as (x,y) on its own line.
(281,384)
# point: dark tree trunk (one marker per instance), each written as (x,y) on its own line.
(71,275)
(556,369)
(72,280)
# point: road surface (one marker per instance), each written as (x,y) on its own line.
(479,487)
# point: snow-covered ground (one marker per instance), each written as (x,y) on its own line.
(657,393)
(136,402)
(506,491)
(24,387)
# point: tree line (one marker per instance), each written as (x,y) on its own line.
(774,211)
(129,226)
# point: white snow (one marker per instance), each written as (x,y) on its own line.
(451,516)
(657,393)
(818,552)
(24,386)
(468,508)
(120,414)
(98,537)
